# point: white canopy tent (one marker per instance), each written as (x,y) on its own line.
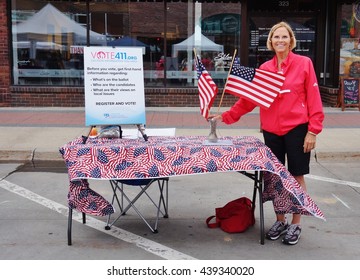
(200,43)
(50,21)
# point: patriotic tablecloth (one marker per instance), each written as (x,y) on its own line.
(177,156)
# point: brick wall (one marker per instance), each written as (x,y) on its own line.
(330,96)
(177,97)
(25,96)
(4,56)
(44,96)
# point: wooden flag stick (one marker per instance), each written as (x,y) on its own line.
(222,96)
(195,56)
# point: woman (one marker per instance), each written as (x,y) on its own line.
(292,122)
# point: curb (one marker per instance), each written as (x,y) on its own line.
(16,156)
(349,155)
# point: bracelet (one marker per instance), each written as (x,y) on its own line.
(312,133)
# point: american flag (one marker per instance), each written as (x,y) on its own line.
(258,86)
(207,88)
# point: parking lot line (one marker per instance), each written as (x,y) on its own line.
(143,243)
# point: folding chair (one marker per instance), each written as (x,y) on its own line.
(161,205)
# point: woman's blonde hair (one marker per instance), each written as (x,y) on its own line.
(288,28)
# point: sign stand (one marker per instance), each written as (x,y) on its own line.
(349,93)
(142,131)
(139,126)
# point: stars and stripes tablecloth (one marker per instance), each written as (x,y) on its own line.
(178,156)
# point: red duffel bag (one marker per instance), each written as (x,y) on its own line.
(235,216)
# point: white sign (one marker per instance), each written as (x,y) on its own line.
(114,86)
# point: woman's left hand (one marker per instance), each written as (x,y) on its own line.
(309,142)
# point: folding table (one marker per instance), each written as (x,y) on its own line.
(120,159)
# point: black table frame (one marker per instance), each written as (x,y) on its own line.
(257,177)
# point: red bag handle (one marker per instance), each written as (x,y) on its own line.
(212,225)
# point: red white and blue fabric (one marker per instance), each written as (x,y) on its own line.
(258,86)
(177,156)
(85,200)
(207,88)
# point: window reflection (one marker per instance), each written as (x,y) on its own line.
(48,39)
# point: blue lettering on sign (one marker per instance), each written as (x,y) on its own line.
(124,56)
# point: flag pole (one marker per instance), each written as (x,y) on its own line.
(222,96)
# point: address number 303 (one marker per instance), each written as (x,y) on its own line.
(284,3)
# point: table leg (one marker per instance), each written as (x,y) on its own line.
(258,177)
(69,226)
(259,181)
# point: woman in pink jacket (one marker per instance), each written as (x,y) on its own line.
(293,120)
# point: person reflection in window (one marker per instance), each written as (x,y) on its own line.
(54,61)
(160,68)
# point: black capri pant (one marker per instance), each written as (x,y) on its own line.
(290,147)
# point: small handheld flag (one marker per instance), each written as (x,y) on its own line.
(207,88)
(258,86)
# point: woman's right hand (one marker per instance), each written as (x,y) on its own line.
(215,117)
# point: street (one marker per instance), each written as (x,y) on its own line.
(34,213)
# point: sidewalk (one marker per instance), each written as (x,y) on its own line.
(37,133)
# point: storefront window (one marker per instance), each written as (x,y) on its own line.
(49,37)
(350,45)
(48,42)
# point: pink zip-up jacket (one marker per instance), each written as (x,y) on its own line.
(299,100)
